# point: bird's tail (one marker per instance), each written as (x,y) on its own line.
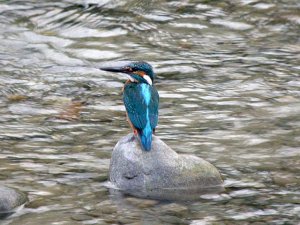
(146,139)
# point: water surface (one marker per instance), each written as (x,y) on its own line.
(228,78)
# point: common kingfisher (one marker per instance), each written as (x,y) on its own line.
(140,98)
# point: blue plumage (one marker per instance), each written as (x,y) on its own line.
(140,98)
(141,102)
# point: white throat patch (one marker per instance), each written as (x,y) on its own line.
(148,79)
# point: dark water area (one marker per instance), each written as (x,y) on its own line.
(228,75)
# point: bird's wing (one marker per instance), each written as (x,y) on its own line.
(135,105)
(153,108)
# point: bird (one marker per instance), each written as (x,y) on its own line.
(140,98)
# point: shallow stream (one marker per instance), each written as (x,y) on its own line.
(228,75)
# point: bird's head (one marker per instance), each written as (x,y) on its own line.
(138,71)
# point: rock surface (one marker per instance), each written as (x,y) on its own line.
(10,199)
(161,173)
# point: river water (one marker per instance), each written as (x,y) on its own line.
(228,78)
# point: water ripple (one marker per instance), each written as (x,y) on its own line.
(228,77)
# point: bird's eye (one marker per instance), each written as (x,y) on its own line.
(129,69)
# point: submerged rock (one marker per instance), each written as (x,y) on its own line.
(10,200)
(161,173)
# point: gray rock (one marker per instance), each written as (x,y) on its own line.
(10,200)
(161,173)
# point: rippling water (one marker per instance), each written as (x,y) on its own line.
(228,77)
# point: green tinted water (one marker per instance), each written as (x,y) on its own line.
(228,78)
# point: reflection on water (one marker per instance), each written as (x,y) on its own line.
(228,77)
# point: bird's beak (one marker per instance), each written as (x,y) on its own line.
(120,66)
